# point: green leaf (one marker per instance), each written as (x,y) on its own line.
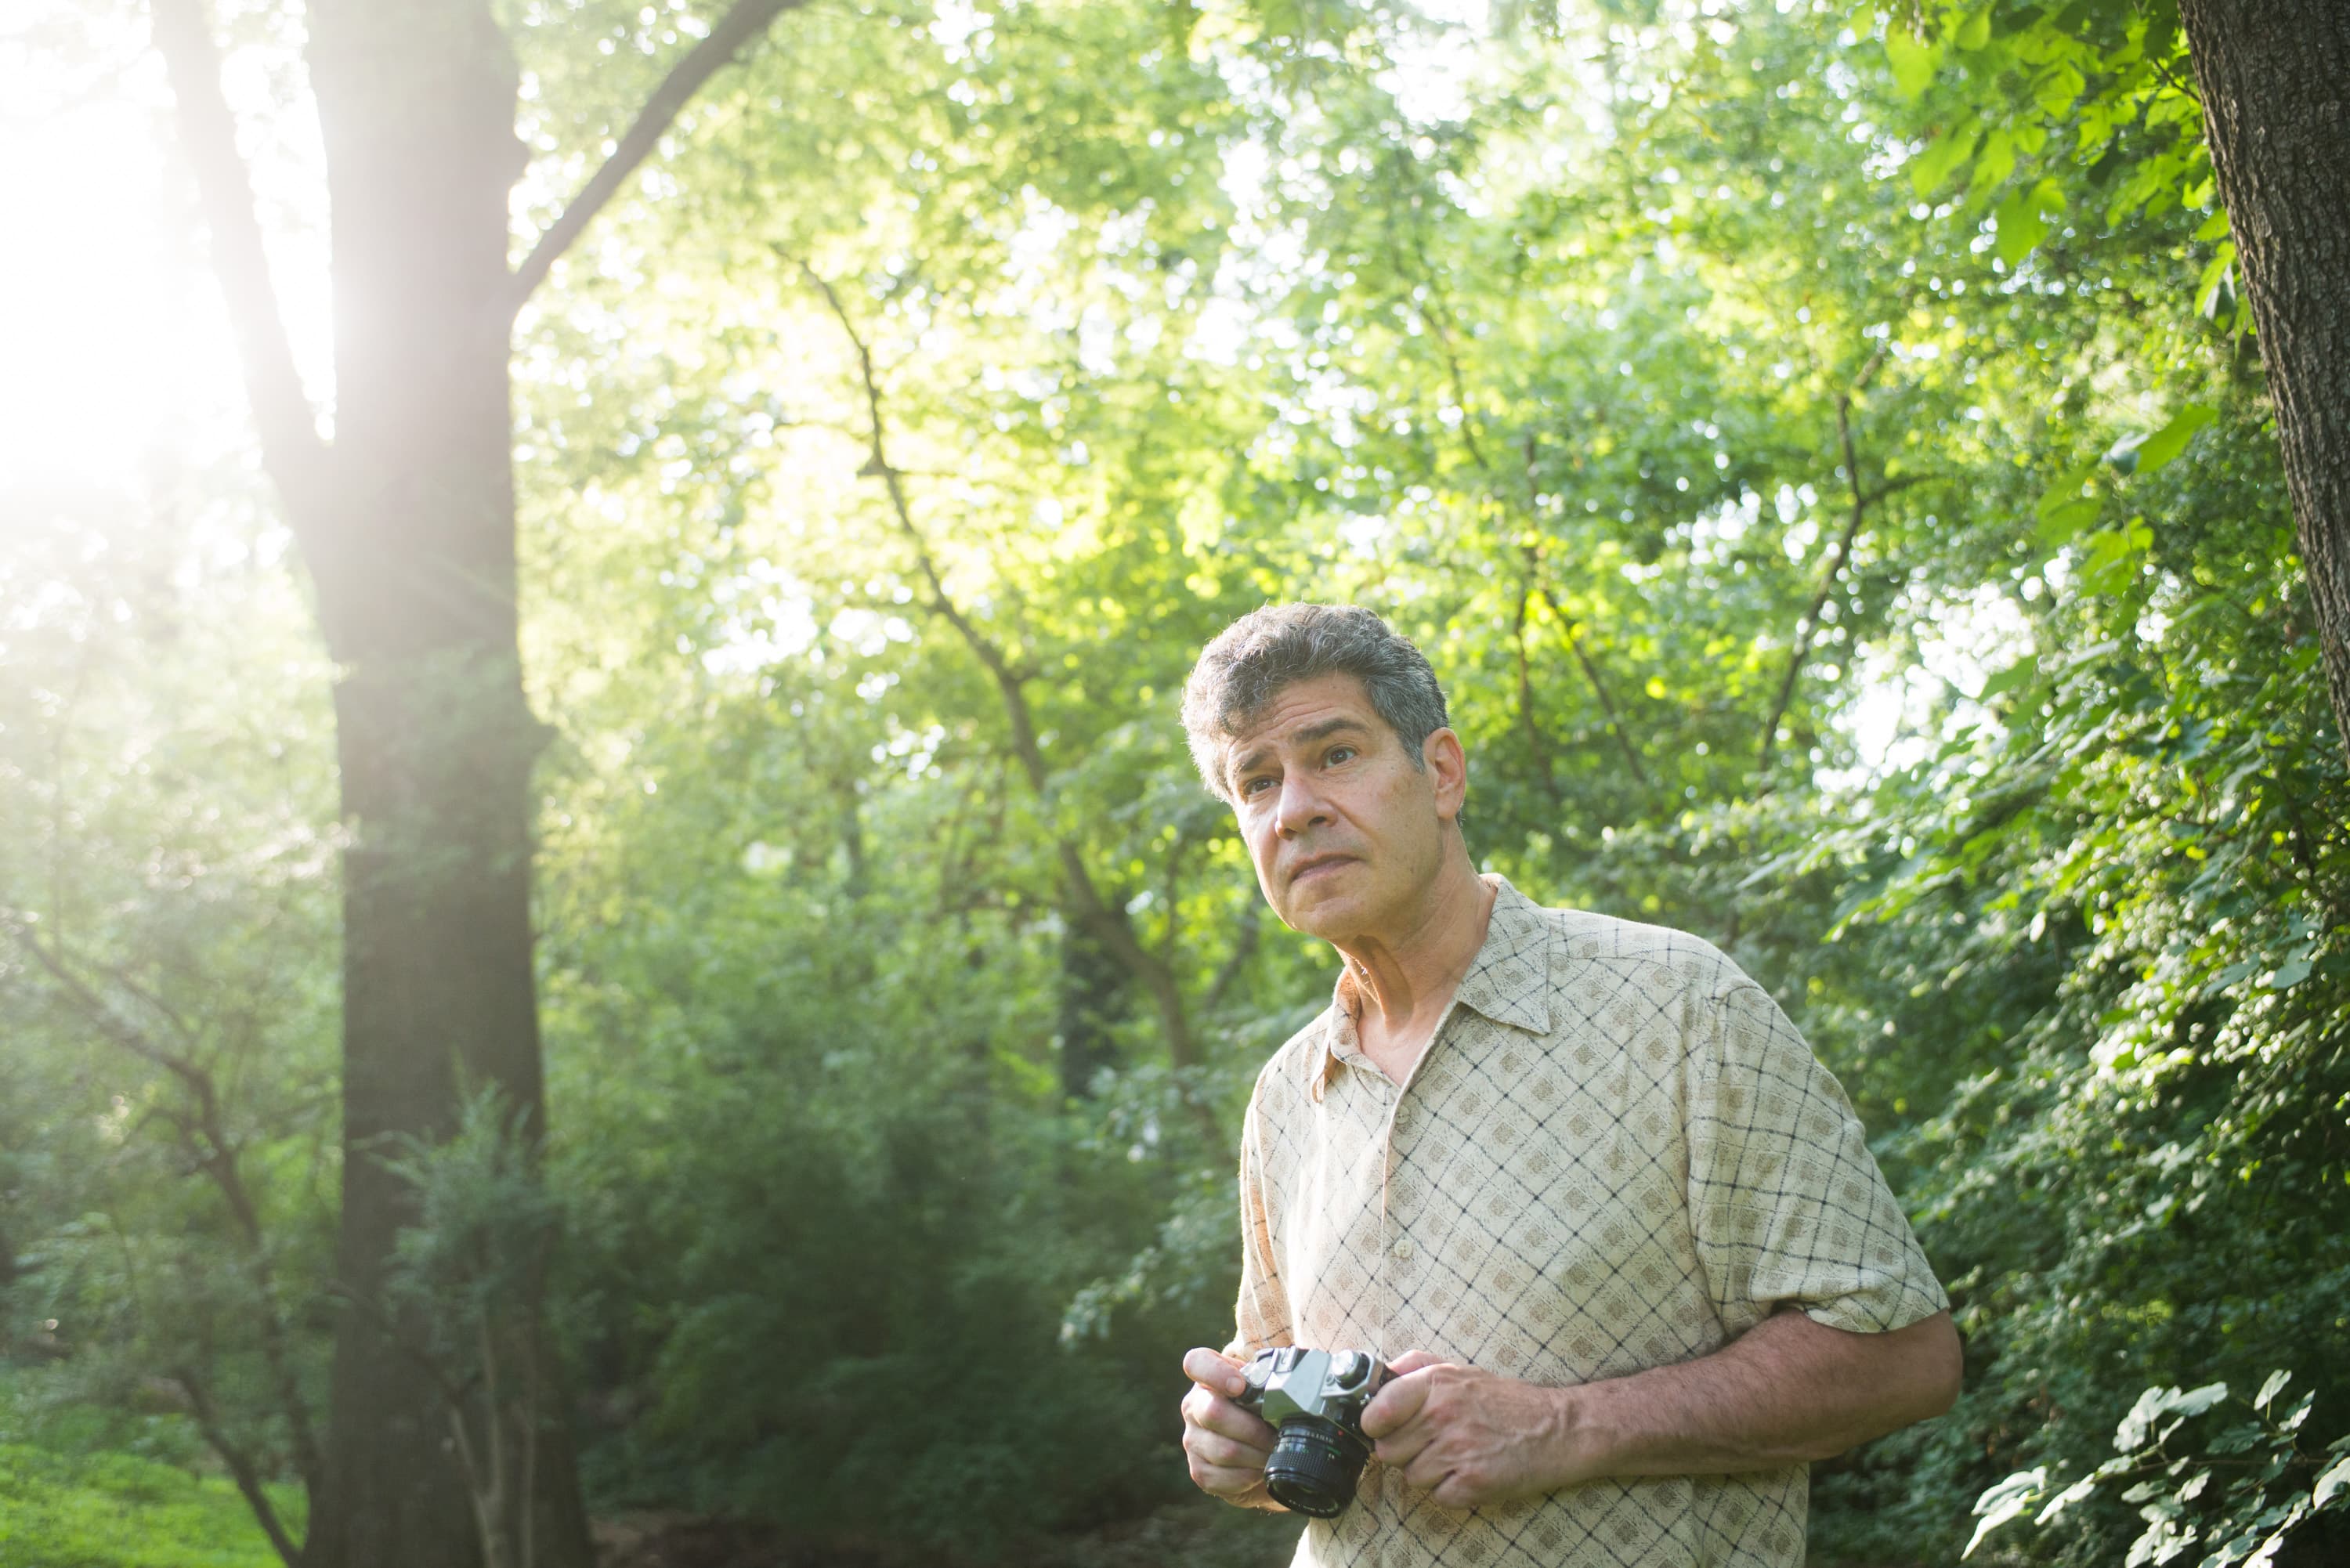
(2111,561)
(2207,288)
(2060,524)
(1997,162)
(1974,32)
(2171,439)
(1913,60)
(2288,975)
(2067,1497)
(1932,167)
(2017,674)
(2331,1485)
(2058,89)
(2024,220)
(2006,1501)
(2195,1401)
(2215,226)
(2064,491)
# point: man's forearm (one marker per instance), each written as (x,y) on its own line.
(1787,1391)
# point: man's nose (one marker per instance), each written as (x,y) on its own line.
(1299,807)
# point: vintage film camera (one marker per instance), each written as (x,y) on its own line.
(1315,1399)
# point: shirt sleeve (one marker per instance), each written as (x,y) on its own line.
(1262,1317)
(1787,1204)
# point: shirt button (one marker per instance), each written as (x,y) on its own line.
(1402,1248)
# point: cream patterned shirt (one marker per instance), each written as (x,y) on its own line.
(1616,1154)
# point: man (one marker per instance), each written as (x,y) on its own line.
(1617,1229)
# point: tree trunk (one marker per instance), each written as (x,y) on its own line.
(406,521)
(415,575)
(2275,77)
(1092,1000)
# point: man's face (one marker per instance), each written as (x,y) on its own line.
(1346,833)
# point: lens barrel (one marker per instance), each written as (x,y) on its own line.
(1314,1466)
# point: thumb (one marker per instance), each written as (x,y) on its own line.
(1212,1369)
(1401,1399)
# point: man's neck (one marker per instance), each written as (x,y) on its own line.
(1404,980)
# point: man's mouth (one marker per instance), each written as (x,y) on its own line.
(1306,868)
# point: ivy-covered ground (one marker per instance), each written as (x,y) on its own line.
(118,1511)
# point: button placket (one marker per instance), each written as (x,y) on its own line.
(1393,1248)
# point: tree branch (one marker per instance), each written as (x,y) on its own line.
(1535,744)
(1598,688)
(736,29)
(290,446)
(240,1468)
(215,1154)
(1104,921)
(1245,946)
(1861,500)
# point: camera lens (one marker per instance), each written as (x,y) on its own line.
(1314,1466)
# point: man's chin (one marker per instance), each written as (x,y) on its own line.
(1328,914)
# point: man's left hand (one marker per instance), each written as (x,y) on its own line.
(1468,1437)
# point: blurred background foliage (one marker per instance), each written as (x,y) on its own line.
(1819,449)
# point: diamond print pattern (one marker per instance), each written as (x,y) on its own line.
(1618,1153)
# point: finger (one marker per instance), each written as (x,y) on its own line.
(1398,1450)
(1213,1369)
(1235,1427)
(1396,1404)
(1222,1482)
(1225,1453)
(1227,1419)
(1411,1361)
(1427,1472)
(1456,1491)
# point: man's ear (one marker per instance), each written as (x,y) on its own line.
(1443,754)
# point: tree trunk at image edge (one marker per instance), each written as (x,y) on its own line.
(2274,77)
(406,521)
(412,549)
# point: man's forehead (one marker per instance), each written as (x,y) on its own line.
(1315,705)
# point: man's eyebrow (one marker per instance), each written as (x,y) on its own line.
(1306,736)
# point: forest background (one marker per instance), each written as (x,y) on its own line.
(1825,451)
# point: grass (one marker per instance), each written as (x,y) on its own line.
(118,1510)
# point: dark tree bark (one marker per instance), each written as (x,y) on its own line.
(2274,77)
(1092,1000)
(406,523)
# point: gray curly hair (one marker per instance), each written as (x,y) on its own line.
(1269,649)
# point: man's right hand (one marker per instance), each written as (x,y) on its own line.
(1226,1445)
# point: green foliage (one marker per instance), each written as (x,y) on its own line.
(115,1511)
(2239,1493)
(1819,453)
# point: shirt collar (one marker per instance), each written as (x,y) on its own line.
(1507,982)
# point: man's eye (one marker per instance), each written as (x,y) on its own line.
(1252,787)
(1341,754)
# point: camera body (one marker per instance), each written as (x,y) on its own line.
(1315,1399)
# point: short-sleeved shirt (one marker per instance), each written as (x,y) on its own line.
(1616,1153)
